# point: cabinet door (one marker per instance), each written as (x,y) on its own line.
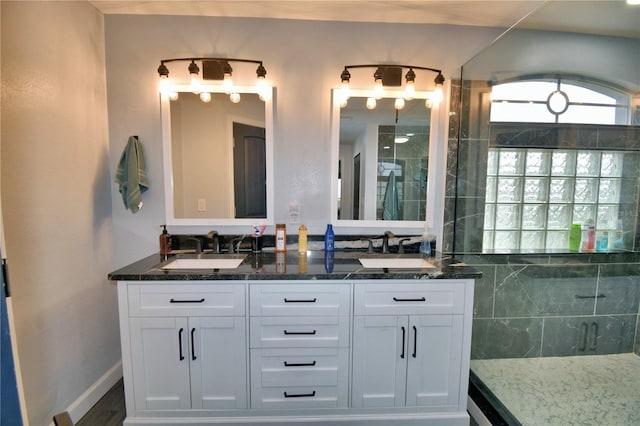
(434,358)
(379,361)
(218,357)
(159,349)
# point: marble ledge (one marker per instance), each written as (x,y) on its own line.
(290,266)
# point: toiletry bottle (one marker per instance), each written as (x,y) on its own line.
(603,243)
(425,245)
(165,241)
(618,243)
(281,237)
(329,239)
(575,235)
(591,238)
(302,239)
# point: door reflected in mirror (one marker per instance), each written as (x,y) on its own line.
(383,160)
(218,154)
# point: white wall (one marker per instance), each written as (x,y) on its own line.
(303,59)
(56,200)
(613,59)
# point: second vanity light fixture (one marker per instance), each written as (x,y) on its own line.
(391,75)
(214,69)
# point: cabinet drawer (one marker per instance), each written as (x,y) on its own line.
(409,299)
(286,332)
(290,378)
(181,299)
(302,300)
(299,366)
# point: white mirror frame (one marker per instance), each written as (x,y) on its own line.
(165,109)
(435,174)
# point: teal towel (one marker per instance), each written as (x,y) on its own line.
(131,176)
(391,202)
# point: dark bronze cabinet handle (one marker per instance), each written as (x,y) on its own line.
(180,343)
(193,346)
(299,395)
(186,301)
(299,364)
(314,300)
(415,341)
(297,333)
(397,299)
(403,342)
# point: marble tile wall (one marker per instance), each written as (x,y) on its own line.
(537,305)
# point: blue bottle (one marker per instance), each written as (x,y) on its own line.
(329,239)
(425,245)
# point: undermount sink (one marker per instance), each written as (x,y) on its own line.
(227,262)
(395,262)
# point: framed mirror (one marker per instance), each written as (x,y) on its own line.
(218,157)
(382,173)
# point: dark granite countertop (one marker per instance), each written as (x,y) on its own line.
(315,265)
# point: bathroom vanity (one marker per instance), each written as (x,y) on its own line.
(289,339)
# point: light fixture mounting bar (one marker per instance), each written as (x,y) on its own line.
(163,71)
(347,67)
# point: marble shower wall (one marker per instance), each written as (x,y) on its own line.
(535,305)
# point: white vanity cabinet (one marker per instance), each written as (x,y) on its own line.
(374,352)
(186,345)
(411,344)
(299,339)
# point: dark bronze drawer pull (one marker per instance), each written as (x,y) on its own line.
(294,333)
(397,299)
(180,343)
(186,301)
(193,345)
(299,395)
(299,364)
(599,296)
(314,300)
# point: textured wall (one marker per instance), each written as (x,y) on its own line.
(56,200)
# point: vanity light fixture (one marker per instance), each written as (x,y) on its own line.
(213,69)
(391,75)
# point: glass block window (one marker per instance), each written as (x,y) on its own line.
(533,196)
(559,100)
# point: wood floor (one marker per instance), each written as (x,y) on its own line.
(109,411)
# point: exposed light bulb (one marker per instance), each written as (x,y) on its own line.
(378,90)
(194,86)
(371,103)
(205,97)
(409,90)
(173,96)
(234,97)
(436,96)
(227,83)
(399,103)
(428,103)
(345,90)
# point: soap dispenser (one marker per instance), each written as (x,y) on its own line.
(165,241)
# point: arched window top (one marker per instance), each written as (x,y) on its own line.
(559,100)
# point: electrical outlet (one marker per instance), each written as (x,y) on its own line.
(202,205)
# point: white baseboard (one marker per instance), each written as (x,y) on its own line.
(476,413)
(88,399)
